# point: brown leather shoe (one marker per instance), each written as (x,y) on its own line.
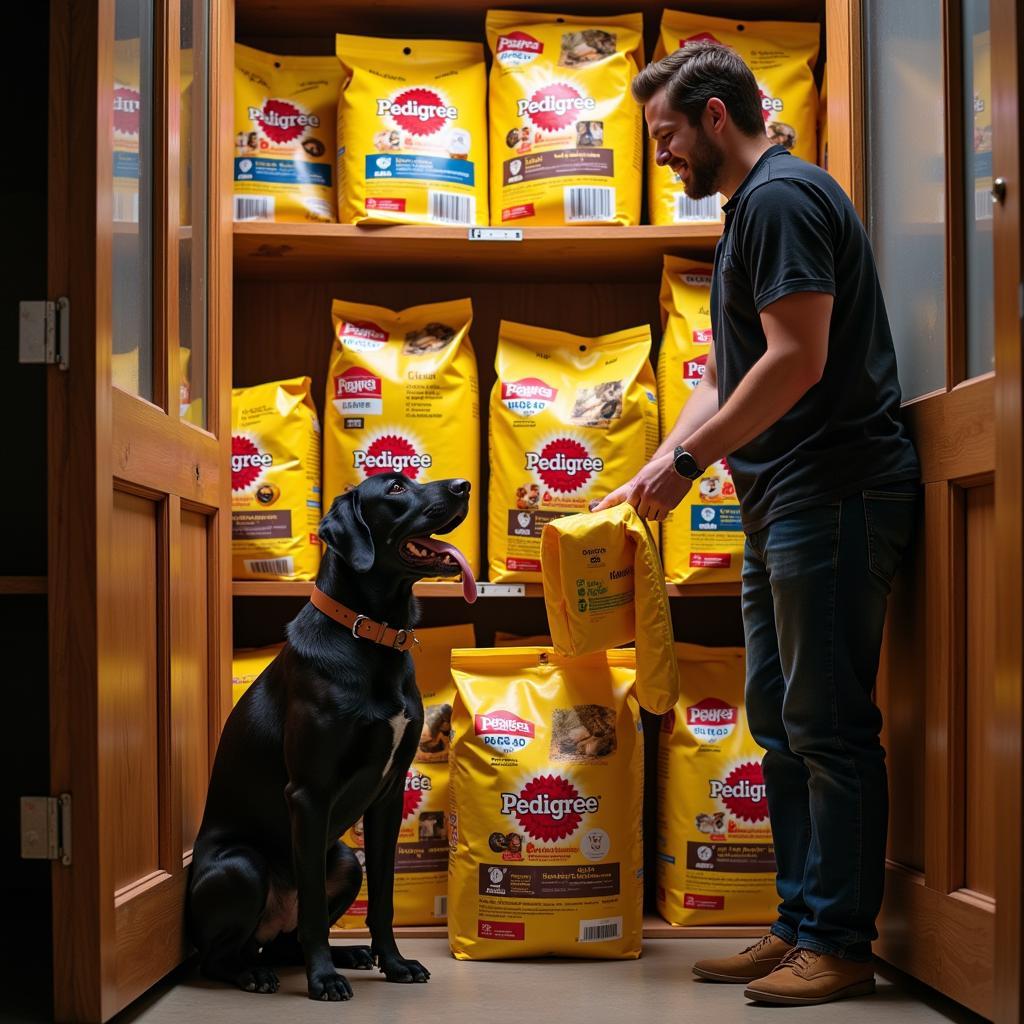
(806,978)
(754,962)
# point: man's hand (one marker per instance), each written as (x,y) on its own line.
(653,492)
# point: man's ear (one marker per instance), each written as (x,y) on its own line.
(345,532)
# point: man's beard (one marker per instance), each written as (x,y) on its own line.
(705,161)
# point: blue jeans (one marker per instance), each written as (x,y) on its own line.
(815,587)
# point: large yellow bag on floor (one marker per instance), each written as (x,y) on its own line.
(275,482)
(412,132)
(782,56)
(403,397)
(546,854)
(284,136)
(421,861)
(571,419)
(702,538)
(566,136)
(246,666)
(716,860)
(604,587)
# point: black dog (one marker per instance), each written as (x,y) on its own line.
(323,737)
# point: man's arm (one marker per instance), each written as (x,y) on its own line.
(796,330)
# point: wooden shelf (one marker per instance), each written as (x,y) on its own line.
(331,251)
(262,588)
(654,928)
(462,19)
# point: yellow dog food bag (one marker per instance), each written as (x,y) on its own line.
(715,858)
(544,826)
(246,666)
(421,860)
(285,109)
(604,586)
(782,56)
(412,132)
(702,538)
(403,397)
(275,482)
(571,419)
(566,134)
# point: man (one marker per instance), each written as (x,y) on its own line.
(801,394)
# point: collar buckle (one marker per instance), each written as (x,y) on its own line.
(360,619)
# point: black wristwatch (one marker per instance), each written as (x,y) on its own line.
(686,465)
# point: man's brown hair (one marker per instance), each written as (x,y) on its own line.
(697,72)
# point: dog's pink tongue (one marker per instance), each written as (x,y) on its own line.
(440,547)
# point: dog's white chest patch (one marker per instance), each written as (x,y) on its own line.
(398,724)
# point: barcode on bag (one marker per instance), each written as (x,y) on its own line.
(254,207)
(601,929)
(126,207)
(451,208)
(271,566)
(687,209)
(982,204)
(440,906)
(589,203)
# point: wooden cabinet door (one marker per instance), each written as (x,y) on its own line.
(139,474)
(950,682)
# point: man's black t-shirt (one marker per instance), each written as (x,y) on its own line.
(791,228)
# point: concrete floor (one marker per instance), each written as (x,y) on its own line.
(656,988)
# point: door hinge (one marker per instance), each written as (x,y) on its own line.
(46,828)
(43,332)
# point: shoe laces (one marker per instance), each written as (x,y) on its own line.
(760,944)
(799,957)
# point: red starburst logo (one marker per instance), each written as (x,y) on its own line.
(247,462)
(564,465)
(281,121)
(743,792)
(556,106)
(127,103)
(420,111)
(415,786)
(548,808)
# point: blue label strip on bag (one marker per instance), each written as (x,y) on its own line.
(282,172)
(705,518)
(423,168)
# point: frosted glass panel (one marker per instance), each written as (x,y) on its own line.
(906,181)
(978,183)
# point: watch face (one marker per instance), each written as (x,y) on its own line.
(686,465)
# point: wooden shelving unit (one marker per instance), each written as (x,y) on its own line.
(265,251)
(260,588)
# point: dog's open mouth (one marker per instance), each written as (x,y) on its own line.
(436,557)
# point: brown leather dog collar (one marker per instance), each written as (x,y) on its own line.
(362,626)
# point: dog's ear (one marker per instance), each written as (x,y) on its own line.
(345,532)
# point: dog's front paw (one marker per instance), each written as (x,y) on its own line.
(398,969)
(352,958)
(257,979)
(329,986)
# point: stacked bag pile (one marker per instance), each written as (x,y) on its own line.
(411,131)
